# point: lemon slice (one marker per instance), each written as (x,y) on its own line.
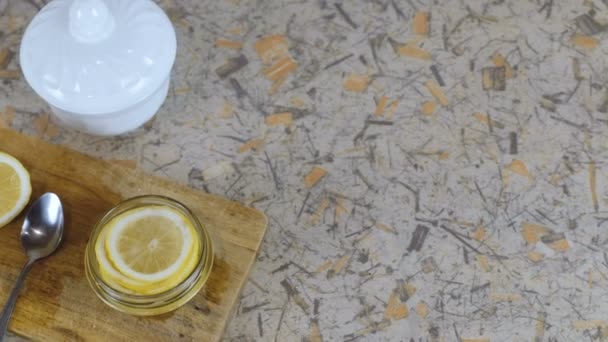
(151,244)
(15,188)
(122,283)
(114,278)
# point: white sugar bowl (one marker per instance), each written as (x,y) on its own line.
(103,66)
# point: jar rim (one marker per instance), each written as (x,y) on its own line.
(161,302)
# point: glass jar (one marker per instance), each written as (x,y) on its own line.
(156,304)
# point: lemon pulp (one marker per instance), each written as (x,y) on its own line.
(147,250)
(15,188)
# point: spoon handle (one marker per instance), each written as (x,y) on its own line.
(10,304)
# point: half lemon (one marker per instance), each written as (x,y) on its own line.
(15,188)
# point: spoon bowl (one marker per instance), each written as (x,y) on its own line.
(42,229)
(41,234)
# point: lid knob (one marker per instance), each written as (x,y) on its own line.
(90,20)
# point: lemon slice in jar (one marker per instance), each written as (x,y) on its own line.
(109,274)
(147,250)
(15,188)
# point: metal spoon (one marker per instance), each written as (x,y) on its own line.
(40,236)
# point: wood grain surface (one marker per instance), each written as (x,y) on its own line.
(56,302)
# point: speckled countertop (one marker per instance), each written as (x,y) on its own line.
(432,171)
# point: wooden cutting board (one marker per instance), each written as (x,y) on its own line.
(56,303)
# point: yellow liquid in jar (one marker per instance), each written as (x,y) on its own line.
(148,255)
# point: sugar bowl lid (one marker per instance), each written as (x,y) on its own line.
(97,56)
